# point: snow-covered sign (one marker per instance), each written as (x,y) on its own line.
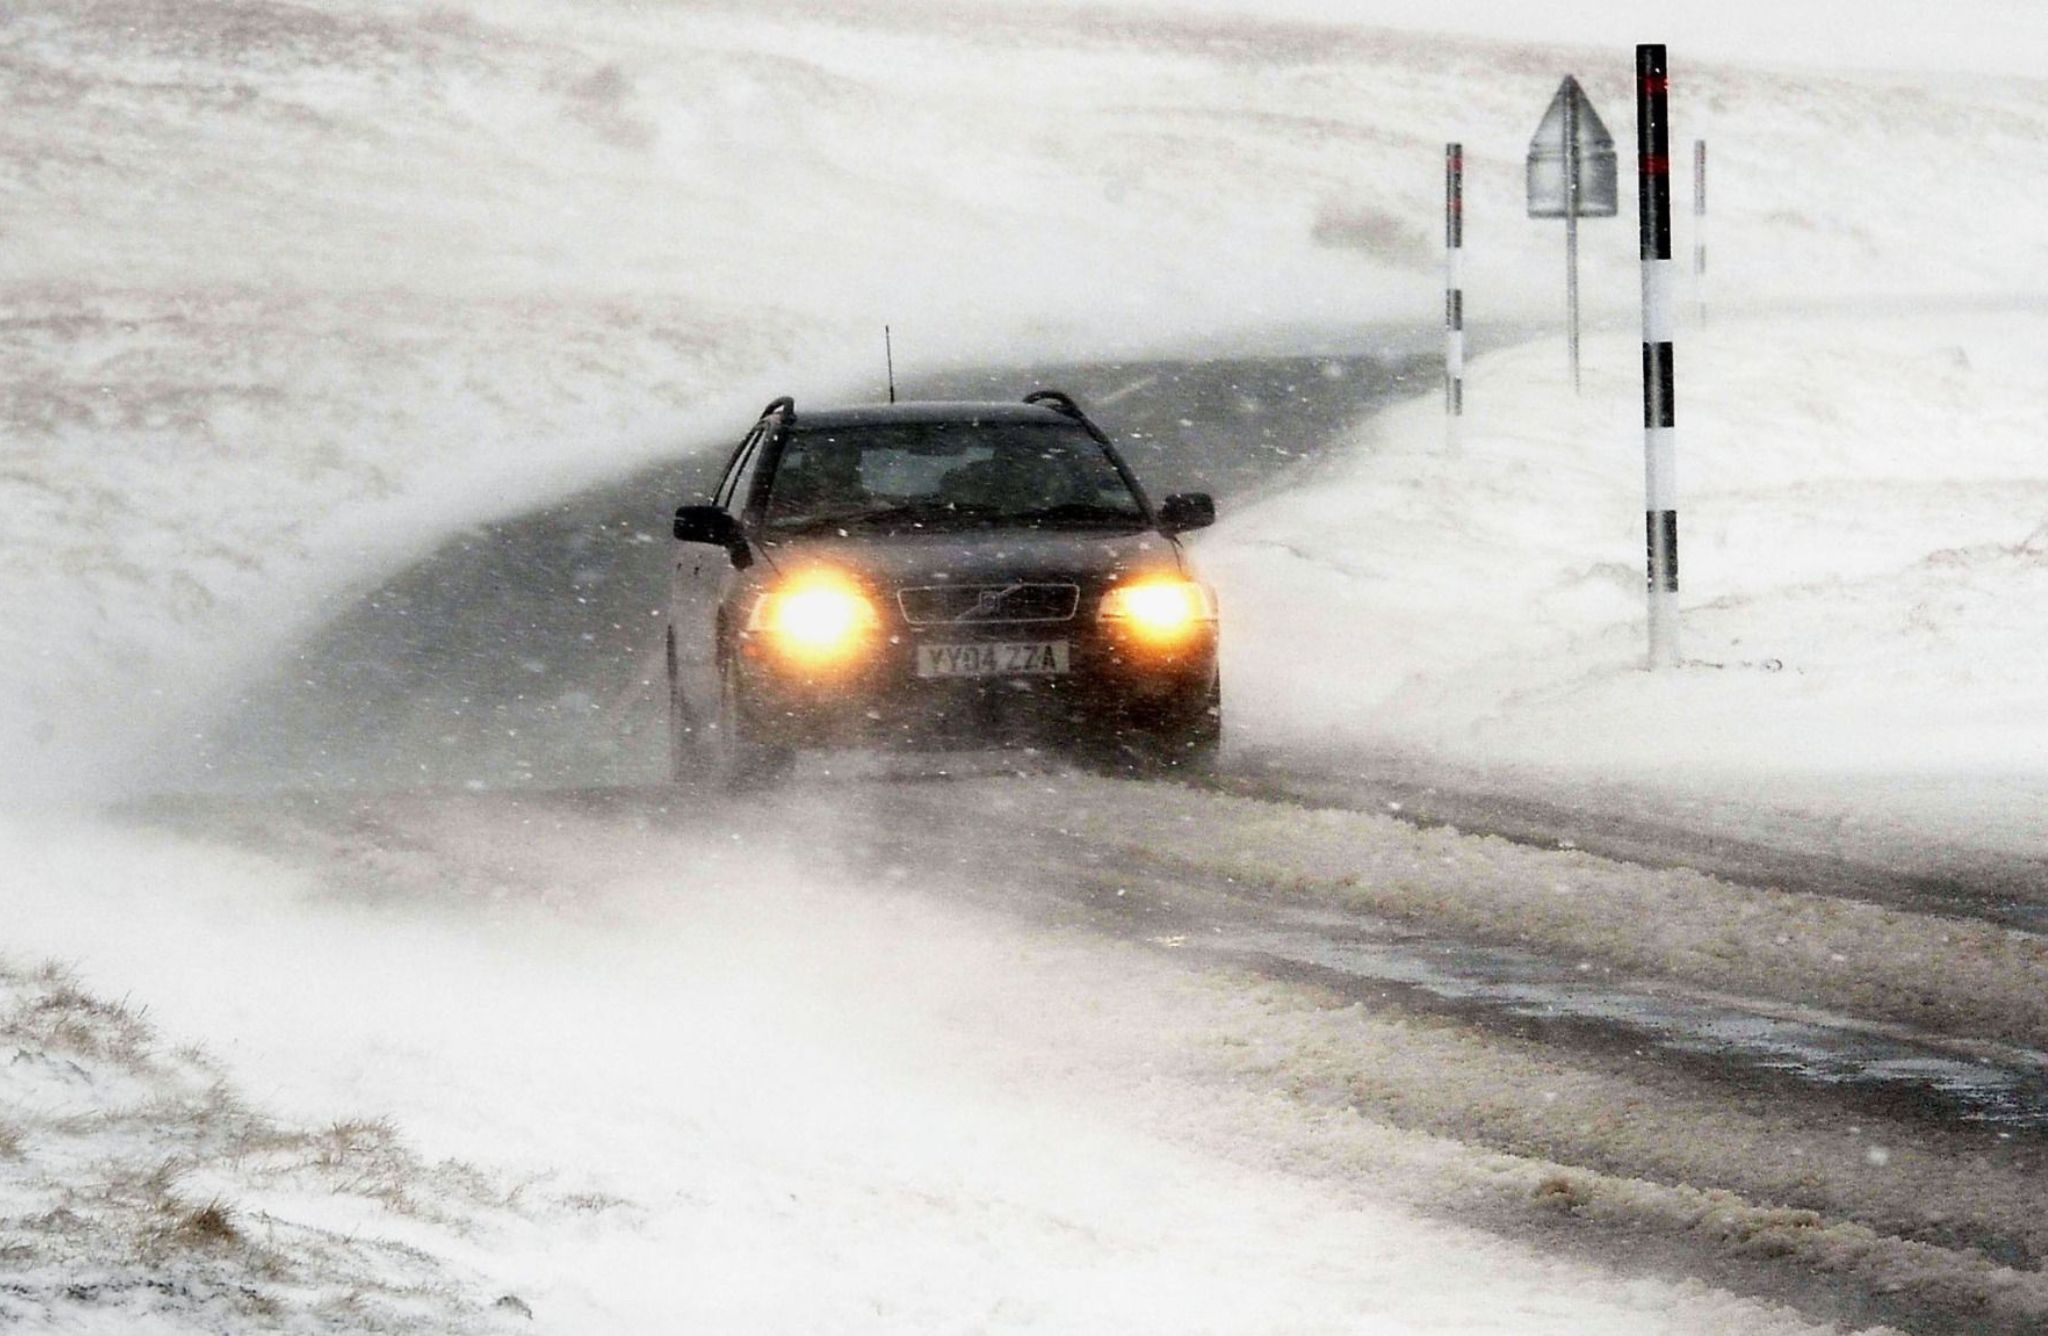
(1571,130)
(1571,176)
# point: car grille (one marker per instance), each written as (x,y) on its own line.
(934,605)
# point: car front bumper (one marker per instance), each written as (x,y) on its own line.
(1110,684)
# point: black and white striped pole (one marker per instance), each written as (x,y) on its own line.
(1699,226)
(1454,285)
(1660,402)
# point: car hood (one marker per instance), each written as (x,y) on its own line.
(983,556)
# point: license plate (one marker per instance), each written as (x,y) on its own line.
(1032,658)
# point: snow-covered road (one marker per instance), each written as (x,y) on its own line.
(862,1058)
(859,1058)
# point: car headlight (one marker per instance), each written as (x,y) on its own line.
(817,619)
(1160,611)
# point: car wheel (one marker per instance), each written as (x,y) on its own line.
(1192,750)
(737,762)
(1179,742)
(1189,743)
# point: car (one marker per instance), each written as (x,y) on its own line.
(937,575)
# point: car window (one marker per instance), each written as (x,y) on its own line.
(939,473)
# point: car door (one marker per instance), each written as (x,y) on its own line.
(700,577)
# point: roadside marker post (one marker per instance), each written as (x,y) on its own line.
(1454,286)
(1660,400)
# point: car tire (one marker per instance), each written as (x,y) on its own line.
(1177,742)
(1189,744)
(739,763)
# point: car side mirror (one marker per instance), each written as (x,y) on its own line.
(1187,510)
(713,526)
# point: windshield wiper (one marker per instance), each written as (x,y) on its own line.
(1078,510)
(919,512)
(923,512)
(949,512)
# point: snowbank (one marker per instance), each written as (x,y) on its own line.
(1865,539)
(139,1193)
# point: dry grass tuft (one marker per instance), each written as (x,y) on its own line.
(169,1224)
(1770,1231)
(350,1141)
(212,1225)
(11,1141)
(56,1220)
(59,1014)
(161,1182)
(1560,1192)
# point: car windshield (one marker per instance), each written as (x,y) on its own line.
(932,474)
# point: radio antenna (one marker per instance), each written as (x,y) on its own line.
(889,351)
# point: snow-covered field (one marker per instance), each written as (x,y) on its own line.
(290,291)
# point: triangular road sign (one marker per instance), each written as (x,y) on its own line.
(1570,113)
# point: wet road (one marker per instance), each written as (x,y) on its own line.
(1174,903)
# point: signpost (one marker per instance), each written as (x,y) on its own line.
(1572,176)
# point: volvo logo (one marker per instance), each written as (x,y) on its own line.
(987,603)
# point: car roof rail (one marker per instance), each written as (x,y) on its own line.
(1059,401)
(786,405)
